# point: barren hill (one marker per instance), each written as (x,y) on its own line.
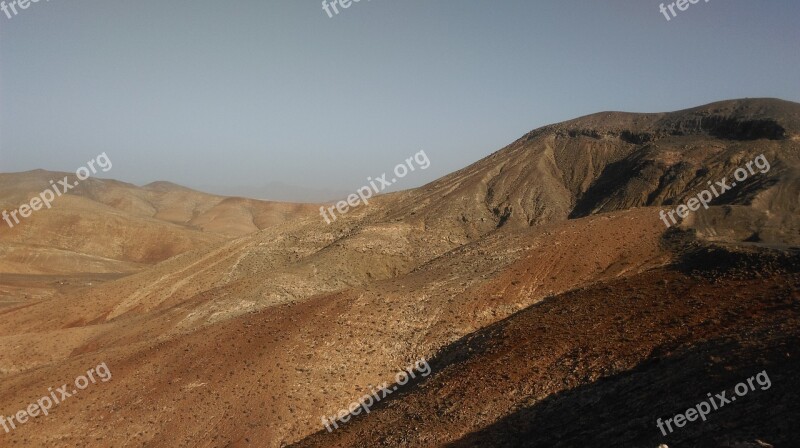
(249,341)
(616,161)
(601,364)
(110,228)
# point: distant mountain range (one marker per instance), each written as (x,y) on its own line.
(555,307)
(278,191)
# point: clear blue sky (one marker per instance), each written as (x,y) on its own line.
(250,92)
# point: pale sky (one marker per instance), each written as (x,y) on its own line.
(257,95)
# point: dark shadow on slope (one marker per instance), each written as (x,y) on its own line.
(715,260)
(621,411)
(621,185)
(611,180)
(623,408)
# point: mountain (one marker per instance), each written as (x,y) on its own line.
(279,191)
(538,278)
(109,228)
(600,365)
(616,161)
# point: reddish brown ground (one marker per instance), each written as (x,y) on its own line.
(598,366)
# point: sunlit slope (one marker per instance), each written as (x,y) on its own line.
(323,347)
(250,340)
(114,221)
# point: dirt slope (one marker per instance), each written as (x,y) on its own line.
(249,341)
(600,365)
(109,227)
(325,349)
(614,161)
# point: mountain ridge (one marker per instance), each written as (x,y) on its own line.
(253,338)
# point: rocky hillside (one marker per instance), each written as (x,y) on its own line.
(616,161)
(536,273)
(110,226)
(601,364)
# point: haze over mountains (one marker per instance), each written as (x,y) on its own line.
(278,191)
(110,227)
(540,281)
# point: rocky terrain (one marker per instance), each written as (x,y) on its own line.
(647,346)
(104,229)
(554,304)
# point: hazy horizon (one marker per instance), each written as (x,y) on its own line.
(593,282)
(222,97)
